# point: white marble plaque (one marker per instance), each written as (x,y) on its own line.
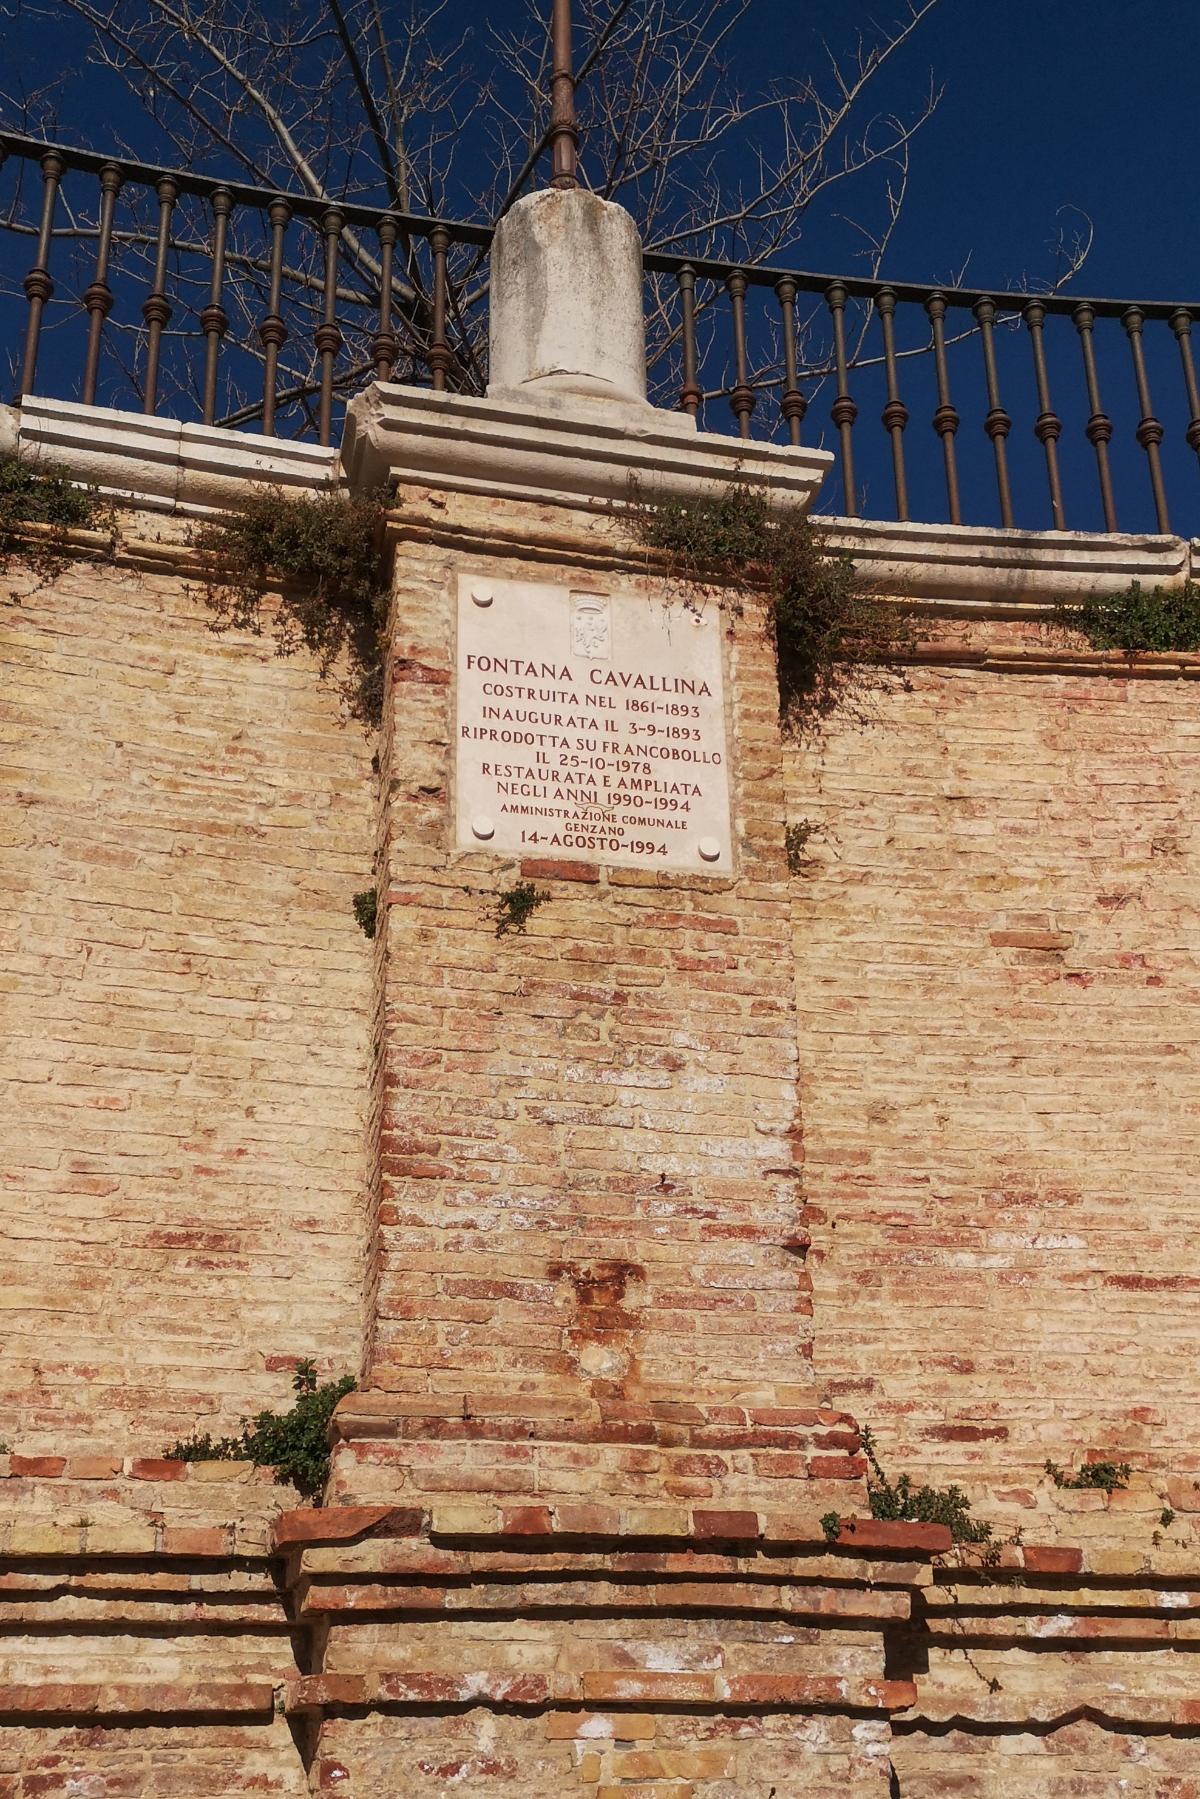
(590,727)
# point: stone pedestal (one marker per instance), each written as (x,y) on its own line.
(566,299)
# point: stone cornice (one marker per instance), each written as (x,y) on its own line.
(161,465)
(590,454)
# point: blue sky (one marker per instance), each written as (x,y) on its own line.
(1050,114)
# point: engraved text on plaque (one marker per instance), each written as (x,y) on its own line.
(590,727)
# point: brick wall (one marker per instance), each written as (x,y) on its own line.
(587,1219)
(185,1010)
(997,945)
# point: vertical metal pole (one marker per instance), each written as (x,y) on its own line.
(946,419)
(843,412)
(327,337)
(997,424)
(273,331)
(1149,431)
(564,131)
(895,413)
(690,395)
(213,320)
(741,399)
(441,359)
(1047,427)
(383,348)
(98,298)
(38,285)
(156,309)
(792,403)
(1181,324)
(1098,429)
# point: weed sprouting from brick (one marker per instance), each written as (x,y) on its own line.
(366,911)
(1106,1477)
(796,839)
(294,1443)
(837,646)
(902,1501)
(42,495)
(323,554)
(1135,619)
(516,905)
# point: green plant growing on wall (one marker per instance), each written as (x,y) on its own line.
(516,905)
(796,839)
(902,1501)
(1106,1476)
(295,1443)
(1136,619)
(323,554)
(837,646)
(42,495)
(366,910)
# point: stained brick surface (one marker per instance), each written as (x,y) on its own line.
(571,1210)
(997,949)
(185,1007)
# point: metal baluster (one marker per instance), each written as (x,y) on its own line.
(843,411)
(273,332)
(38,285)
(945,419)
(895,413)
(383,348)
(1149,432)
(689,394)
(155,308)
(327,337)
(1047,427)
(792,403)
(213,320)
(997,423)
(1098,429)
(441,358)
(741,399)
(1181,324)
(98,298)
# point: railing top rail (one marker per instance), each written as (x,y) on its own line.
(243,193)
(312,206)
(863,287)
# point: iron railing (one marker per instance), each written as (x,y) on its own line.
(947,315)
(328,277)
(184,290)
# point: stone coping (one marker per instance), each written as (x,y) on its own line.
(162,464)
(618,1686)
(1004,572)
(590,453)
(90,1702)
(576,460)
(704,1527)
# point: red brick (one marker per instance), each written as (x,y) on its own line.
(178,1540)
(1051,1559)
(880,1533)
(344,1523)
(526,1520)
(736,1526)
(157,1468)
(40,1467)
